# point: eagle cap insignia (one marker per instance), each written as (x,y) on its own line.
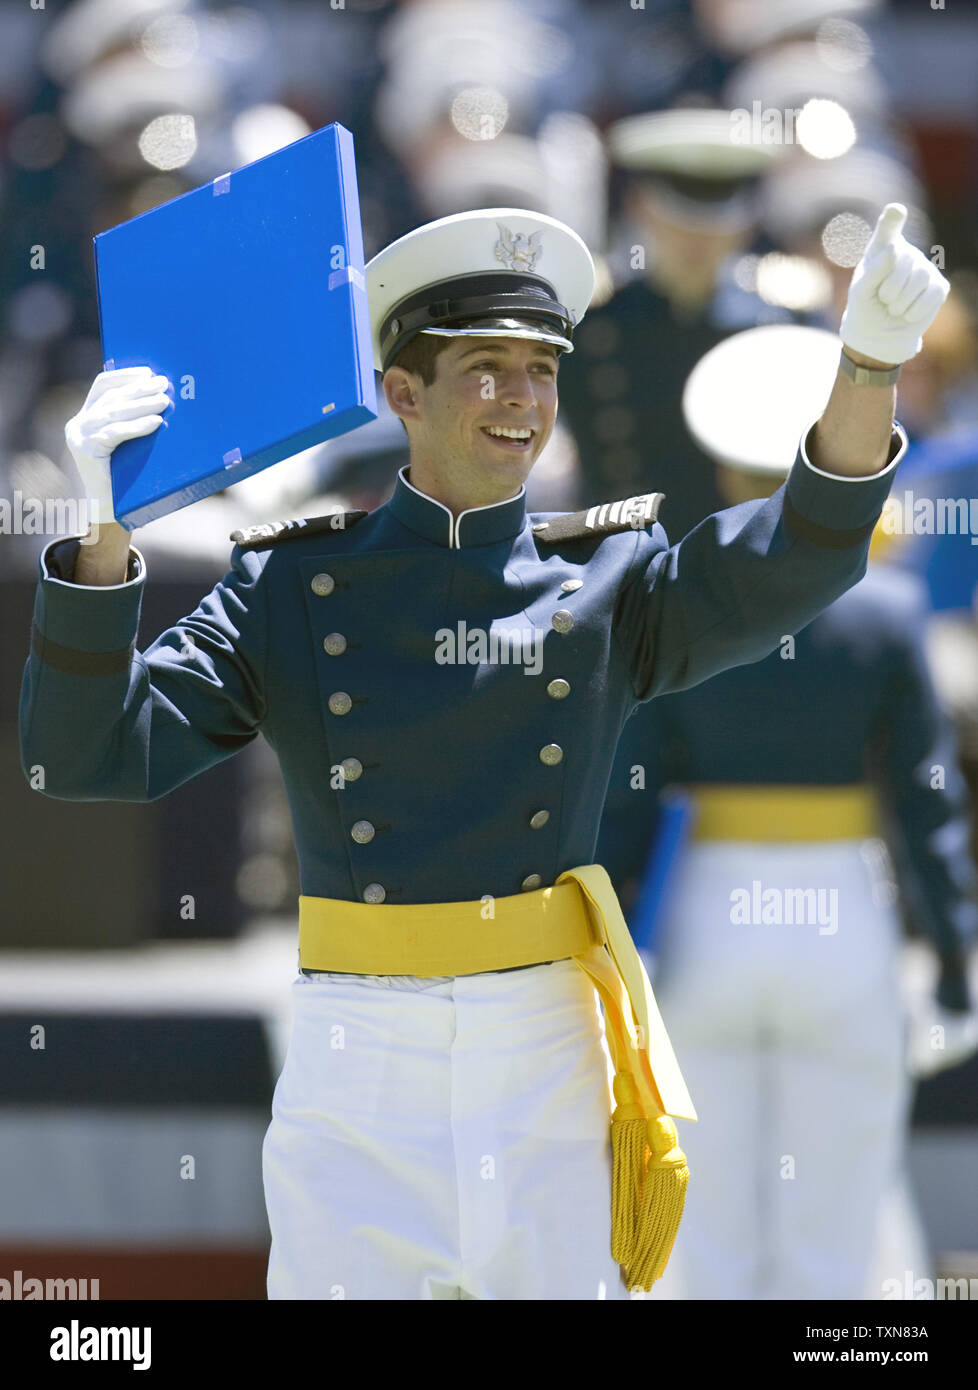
(516,250)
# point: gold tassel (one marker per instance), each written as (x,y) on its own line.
(628,1147)
(661,1207)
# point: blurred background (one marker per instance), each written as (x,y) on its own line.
(725,161)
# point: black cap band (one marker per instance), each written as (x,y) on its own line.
(491,295)
(702,188)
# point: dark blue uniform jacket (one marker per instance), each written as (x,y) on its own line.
(326,644)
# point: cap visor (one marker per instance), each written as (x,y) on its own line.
(503,328)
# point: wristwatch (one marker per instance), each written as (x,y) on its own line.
(868,376)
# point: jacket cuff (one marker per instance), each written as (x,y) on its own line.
(835,511)
(84,618)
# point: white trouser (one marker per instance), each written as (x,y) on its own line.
(443,1138)
(790,1038)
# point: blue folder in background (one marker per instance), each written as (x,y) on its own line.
(249,295)
(673,828)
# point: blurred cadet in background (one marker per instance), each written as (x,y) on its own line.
(747,25)
(933,513)
(934,516)
(774,929)
(690,201)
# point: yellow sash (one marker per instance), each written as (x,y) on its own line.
(776,813)
(578,918)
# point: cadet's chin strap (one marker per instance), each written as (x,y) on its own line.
(649,1170)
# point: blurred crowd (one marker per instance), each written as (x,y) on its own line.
(595,113)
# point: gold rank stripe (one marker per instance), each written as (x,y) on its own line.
(626,512)
(629,513)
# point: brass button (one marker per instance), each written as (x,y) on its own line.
(374,893)
(323,584)
(351,769)
(538,819)
(558,689)
(551,754)
(571,586)
(339,702)
(562,620)
(363,832)
(531,882)
(334,644)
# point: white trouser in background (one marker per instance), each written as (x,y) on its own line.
(790,1036)
(443,1138)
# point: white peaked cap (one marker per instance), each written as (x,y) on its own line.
(748,401)
(704,143)
(504,272)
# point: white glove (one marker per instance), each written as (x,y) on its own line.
(939,1038)
(894,295)
(121,404)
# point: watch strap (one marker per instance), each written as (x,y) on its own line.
(868,376)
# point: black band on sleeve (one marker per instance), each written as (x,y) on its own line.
(77,663)
(824,536)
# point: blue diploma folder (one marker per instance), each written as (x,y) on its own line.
(249,295)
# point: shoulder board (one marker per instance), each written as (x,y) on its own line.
(630,514)
(272,532)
